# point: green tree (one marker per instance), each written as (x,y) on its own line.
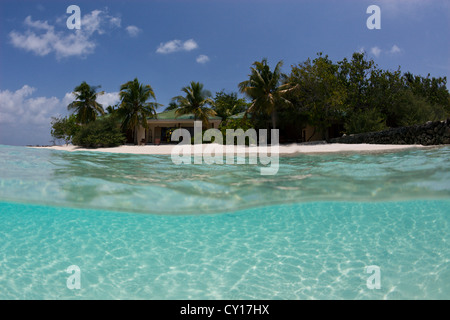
(320,93)
(384,94)
(102,133)
(365,120)
(412,109)
(112,109)
(266,89)
(195,101)
(64,128)
(434,90)
(228,104)
(407,99)
(355,75)
(135,108)
(85,105)
(172,106)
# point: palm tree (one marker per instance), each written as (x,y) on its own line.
(266,90)
(85,105)
(195,102)
(172,106)
(134,108)
(228,104)
(111,109)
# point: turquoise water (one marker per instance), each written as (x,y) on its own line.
(139,227)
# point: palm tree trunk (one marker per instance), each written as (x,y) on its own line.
(274,119)
(312,135)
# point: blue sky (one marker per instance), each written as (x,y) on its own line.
(169,43)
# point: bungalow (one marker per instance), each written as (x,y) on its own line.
(158,128)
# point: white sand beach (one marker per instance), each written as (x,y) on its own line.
(283,150)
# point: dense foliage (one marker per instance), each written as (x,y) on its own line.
(349,96)
(135,109)
(266,90)
(195,100)
(104,132)
(228,104)
(64,128)
(361,97)
(85,106)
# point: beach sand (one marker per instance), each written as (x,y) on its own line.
(283,150)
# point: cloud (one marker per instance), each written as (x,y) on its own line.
(177,45)
(37,24)
(19,108)
(375,51)
(26,118)
(190,45)
(133,31)
(202,59)
(395,49)
(115,21)
(108,99)
(42,38)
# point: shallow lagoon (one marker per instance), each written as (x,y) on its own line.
(140,227)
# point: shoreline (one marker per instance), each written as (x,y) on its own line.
(283,150)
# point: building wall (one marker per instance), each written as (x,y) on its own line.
(140,134)
(310,135)
(154,128)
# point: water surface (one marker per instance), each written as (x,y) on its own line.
(140,227)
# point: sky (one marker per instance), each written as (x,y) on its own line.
(167,44)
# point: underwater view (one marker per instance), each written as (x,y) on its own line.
(330,226)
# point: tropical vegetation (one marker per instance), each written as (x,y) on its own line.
(227,104)
(103,133)
(348,96)
(85,106)
(196,101)
(266,90)
(135,109)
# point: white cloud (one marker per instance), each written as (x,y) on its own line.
(19,108)
(395,49)
(108,99)
(37,24)
(41,38)
(115,21)
(177,45)
(190,45)
(202,59)
(375,51)
(133,31)
(169,47)
(26,118)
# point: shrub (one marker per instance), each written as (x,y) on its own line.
(64,128)
(414,109)
(369,120)
(237,124)
(102,133)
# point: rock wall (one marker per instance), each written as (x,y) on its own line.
(430,133)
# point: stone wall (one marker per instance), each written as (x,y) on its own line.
(430,133)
